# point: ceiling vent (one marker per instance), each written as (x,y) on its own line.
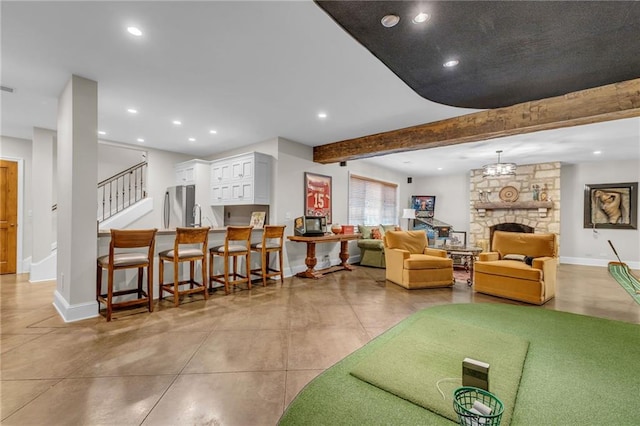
(6,89)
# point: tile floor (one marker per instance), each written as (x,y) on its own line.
(234,360)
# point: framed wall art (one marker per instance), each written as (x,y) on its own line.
(457,238)
(424,205)
(317,195)
(611,205)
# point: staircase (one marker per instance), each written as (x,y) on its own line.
(122,199)
(121,191)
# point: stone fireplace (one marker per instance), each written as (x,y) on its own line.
(536,209)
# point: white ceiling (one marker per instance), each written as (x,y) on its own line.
(250,70)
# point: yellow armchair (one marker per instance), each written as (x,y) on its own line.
(521,266)
(411,264)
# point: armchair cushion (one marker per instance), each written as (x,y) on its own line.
(510,268)
(534,245)
(425,261)
(412,241)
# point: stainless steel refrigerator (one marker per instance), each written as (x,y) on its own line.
(178,208)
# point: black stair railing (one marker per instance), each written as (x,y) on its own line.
(121,191)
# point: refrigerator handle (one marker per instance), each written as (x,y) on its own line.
(166,210)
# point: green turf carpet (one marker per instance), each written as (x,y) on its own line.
(579,370)
(413,364)
(621,273)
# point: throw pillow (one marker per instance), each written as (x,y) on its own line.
(376,234)
(519,257)
(365,231)
(386,228)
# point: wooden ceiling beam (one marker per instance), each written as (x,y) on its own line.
(599,104)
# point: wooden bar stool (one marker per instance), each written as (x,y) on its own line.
(272,242)
(191,236)
(127,259)
(237,242)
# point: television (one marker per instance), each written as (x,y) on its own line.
(308,226)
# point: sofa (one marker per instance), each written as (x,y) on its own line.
(371,246)
(412,264)
(520,266)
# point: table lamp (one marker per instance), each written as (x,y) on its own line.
(408,214)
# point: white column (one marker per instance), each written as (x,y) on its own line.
(43,262)
(75,296)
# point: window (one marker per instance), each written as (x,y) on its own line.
(372,202)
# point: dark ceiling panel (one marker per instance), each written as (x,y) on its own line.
(509,51)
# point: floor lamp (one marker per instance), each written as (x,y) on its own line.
(408,214)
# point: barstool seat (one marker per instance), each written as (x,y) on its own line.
(127,239)
(272,242)
(237,243)
(191,236)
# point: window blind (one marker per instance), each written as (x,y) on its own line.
(372,202)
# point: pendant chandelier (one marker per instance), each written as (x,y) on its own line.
(498,169)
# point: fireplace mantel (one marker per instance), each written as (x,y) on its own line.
(541,206)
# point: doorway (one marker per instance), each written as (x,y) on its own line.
(8,216)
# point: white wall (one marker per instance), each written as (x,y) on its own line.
(582,246)
(114,158)
(20,149)
(452,198)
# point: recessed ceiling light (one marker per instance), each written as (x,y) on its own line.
(439,168)
(140,140)
(213,132)
(322,115)
(100,132)
(177,122)
(421,17)
(597,152)
(451,63)
(134,31)
(132,111)
(389,21)
(192,139)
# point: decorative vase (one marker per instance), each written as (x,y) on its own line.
(336,229)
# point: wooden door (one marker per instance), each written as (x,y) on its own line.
(8,216)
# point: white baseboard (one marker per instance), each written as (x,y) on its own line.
(71,313)
(45,270)
(589,261)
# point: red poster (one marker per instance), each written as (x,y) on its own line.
(317,195)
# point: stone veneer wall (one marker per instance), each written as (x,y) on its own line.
(526,176)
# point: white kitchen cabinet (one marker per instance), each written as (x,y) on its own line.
(192,172)
(241,179)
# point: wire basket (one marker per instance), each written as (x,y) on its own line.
(463,401)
